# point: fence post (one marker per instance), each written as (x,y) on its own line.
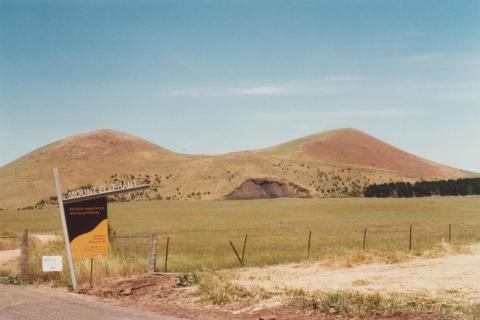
(410,242)
(309,241)
(166,254)
(364,239)
(450,233)
(244,245)
(24,256)
(236,253)
(91,272)
(152,261)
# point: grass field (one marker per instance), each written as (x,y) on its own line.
(277,229)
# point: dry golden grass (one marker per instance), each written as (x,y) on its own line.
(9,243)
(117,264)
(356,305)
(277,231)
(220,288)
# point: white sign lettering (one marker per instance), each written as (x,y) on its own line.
(101,189)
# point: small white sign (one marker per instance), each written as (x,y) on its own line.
(52,263)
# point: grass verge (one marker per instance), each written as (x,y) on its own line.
(354,304)
(219,288)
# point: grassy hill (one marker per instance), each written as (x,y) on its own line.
(331,164)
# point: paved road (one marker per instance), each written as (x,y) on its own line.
(27,303)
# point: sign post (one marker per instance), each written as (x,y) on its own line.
(85,222)
(58,184)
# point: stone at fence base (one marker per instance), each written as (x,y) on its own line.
(127,292)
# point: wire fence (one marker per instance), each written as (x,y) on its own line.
(191,250)
(185,252)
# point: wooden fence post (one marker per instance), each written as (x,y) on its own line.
(450,233)
(309,241)
(166,254)
(24,256)
(244,245)
(91,272)
(236,253)
(152,261)
(410,242)
(364,239)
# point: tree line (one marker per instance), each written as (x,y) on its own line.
(459,187)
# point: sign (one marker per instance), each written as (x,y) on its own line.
(107,190)
(87,226)
(84,220)
(52,263)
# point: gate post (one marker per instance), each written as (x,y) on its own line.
(24,256)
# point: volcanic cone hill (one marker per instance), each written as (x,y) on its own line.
(331,164)
(358,149)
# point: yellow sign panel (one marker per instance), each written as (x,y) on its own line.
(91,244)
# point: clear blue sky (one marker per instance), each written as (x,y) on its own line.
(219,76)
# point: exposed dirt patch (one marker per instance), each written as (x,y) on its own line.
(138,288)
(268,188)
(159,294)
(9,260)
(454,276)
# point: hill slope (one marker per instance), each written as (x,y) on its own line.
(331,164)
(83,159)
(355,148)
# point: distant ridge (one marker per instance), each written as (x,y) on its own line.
(334,163)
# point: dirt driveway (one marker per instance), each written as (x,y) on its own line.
(9,258)
(453,275)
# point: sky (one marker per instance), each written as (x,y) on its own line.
(212,77)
